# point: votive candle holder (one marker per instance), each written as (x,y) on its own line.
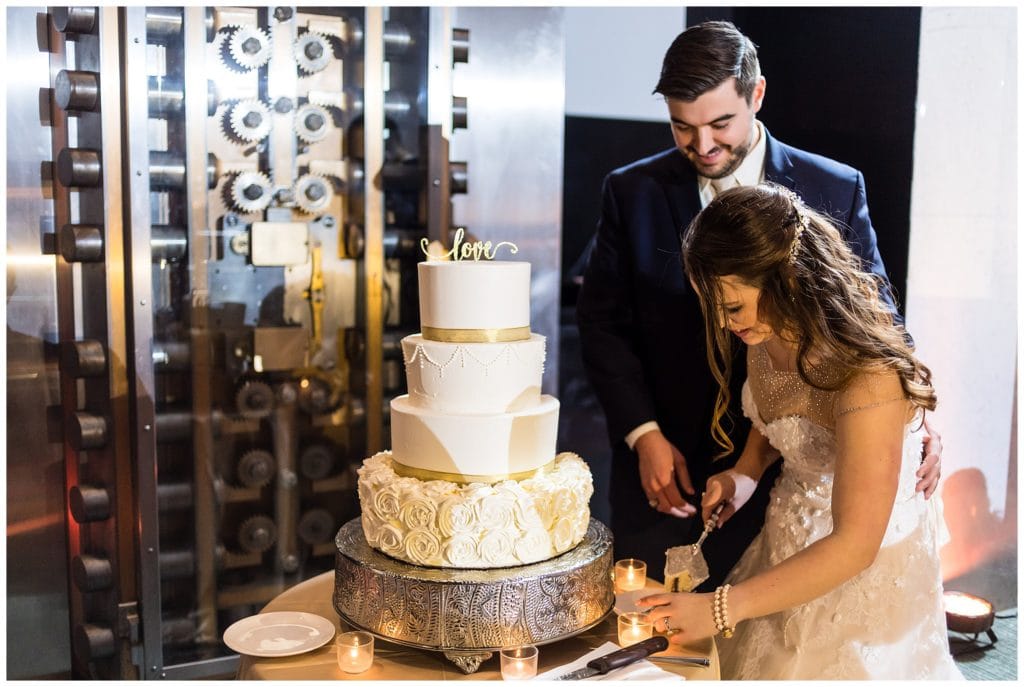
(634,627)
(630,575)
(519,663)
(355,651)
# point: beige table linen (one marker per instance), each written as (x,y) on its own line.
(397,662)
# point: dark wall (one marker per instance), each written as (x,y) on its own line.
(842,82)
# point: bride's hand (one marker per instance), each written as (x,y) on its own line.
(731,487)
(689,616)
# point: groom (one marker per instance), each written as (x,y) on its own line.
(640,323)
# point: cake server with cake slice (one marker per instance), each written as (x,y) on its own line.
(685,567)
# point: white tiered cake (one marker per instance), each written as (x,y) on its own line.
(472,480)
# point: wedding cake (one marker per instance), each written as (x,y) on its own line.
(472,479)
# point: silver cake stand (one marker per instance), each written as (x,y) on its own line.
(469,614)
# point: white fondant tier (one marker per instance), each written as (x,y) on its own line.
(473,448)
(438,523)
(474,379)
(474,295)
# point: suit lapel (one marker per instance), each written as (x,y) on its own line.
(682,193)
(777,165)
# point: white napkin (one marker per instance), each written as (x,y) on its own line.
(639,670)
(625,602)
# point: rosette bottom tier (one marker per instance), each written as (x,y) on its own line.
(442,524)
(463,611)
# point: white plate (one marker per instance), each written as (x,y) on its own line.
(283,633)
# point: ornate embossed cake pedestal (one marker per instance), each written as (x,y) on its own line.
(469,614)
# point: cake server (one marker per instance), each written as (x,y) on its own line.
(618,659)
(685,567)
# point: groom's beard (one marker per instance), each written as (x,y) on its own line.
(734,157)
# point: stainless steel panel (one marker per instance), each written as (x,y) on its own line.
(38,642)
(515,85)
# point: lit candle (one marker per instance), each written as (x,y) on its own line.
(519,663)
(634,627)
(630,575)
(355,651)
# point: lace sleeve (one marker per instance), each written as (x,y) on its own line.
(868,390)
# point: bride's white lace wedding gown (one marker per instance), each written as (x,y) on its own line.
(887,622)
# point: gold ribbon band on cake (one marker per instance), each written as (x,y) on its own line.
(459,478)
(476,335)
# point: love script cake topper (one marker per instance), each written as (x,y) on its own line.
(462,250)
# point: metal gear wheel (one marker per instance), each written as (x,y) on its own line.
(249,120)
(316,526)
(247,47)
(251,192)
(257,534)
(312,122)
(255,400)
(256,468)
(313,52)
(313,193)
(316,461)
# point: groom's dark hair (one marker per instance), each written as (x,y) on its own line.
(704,56)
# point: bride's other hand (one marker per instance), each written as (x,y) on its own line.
(689,616)
(731,487)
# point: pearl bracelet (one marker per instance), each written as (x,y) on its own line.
(721,612)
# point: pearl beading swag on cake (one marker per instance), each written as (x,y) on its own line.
(472,479)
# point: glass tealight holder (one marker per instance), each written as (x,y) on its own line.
(634,627)
(630,575)
(519,663)
(355,651)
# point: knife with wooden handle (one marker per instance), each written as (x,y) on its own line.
(618,659)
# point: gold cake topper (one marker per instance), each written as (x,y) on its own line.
(462,250)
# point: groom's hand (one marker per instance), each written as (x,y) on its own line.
(662,467)
(931,462)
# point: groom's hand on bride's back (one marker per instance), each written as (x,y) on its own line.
(931,461)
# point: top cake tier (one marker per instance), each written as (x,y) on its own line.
(470,301)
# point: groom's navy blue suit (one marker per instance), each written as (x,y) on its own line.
(642,336)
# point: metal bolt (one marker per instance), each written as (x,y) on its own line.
(253,191)
(230,220)
(252,119)
(314,121)
(315,192)
(147,427)
(251,46)
(314,50)
(327,221)
(436,182)
(283,105)
(143,303)
(282,13)
(285,195)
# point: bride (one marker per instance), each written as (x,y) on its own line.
(843,581)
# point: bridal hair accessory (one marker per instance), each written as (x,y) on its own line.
(721,611)
(801,224)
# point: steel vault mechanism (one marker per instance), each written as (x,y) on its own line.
(238,196)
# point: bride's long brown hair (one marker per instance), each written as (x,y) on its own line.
(813,287)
